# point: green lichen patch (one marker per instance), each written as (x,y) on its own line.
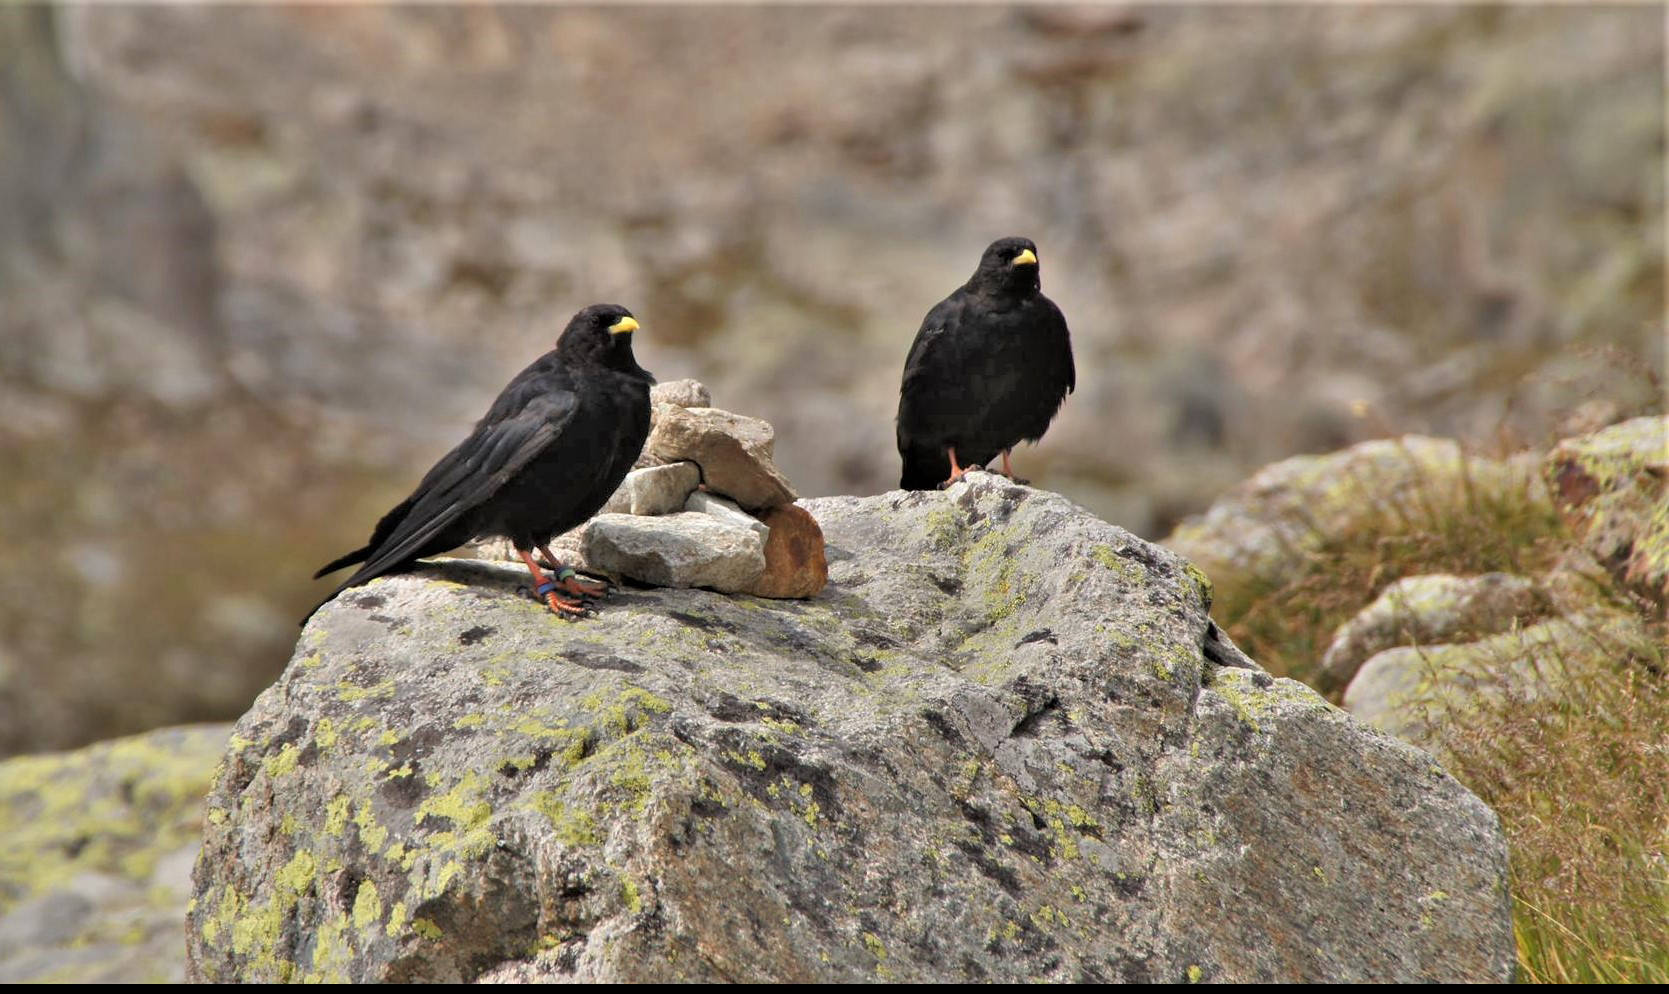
(1129,571)
(1257,699)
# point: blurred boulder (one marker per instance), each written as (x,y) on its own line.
(1260,531)
(1612,489)
(1424,610)
(96,870)
(1412,692)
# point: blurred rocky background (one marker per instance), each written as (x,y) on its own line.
(259,267)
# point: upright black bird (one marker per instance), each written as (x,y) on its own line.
(989,368)
(552,448)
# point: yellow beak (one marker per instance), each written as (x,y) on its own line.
(1025,258)
(623,325)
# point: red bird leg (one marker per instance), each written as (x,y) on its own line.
(956,472)
(569,582)
(545,590)
(1008,470)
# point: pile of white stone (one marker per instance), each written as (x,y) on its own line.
(706,507)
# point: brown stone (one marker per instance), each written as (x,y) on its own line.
(795,563)
(734,453)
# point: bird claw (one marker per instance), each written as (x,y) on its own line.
(561,606)
(956,478)
(566,609)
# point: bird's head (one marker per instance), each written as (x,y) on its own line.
(601,333)
(1009,265)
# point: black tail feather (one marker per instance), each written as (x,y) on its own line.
(356,556)
(924,469)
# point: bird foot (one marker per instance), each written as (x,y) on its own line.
(962,474)
(1011,478)
(570,582)
(560,606)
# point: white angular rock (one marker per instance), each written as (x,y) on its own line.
(659,489)
(675,550)
(701,502)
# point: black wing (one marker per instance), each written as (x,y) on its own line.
(1059,348)
(930,398)
(466,477)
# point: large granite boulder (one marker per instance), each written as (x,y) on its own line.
(992,748)
(96,869)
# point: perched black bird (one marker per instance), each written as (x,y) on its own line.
(989,369)
(552,448)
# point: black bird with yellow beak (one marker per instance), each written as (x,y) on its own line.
(552,448)
(989,369)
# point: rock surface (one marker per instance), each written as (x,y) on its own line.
(688,549)
(991,749)
(96,867)
(1426,610)
(734,453)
